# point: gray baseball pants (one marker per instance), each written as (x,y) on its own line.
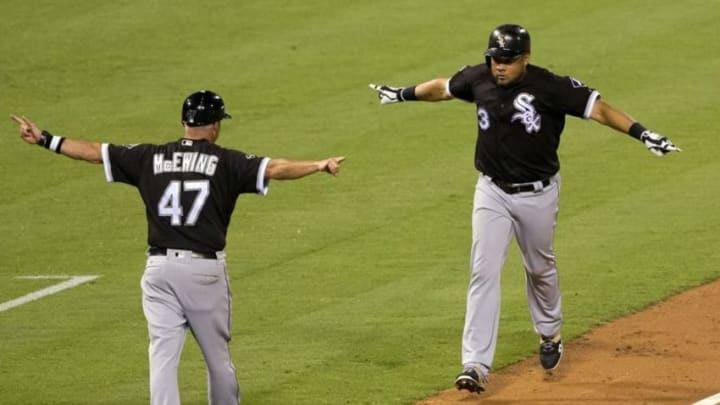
(497,216)
(182,291)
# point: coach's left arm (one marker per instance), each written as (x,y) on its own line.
(286,169)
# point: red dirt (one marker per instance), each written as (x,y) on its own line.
(666,354)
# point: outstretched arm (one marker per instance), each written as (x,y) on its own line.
(73,148)
(433,90)
(284,169)
(606,114)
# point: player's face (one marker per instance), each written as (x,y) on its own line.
(507,70)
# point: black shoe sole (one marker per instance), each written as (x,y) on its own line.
(469,384)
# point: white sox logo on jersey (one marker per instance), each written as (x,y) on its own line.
(527,114)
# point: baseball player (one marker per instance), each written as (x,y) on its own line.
(520,110)
(189,188)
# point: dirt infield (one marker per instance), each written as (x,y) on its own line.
(666,354)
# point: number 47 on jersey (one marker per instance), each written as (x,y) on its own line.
(170,204)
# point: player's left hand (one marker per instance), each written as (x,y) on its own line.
(658,144)
(29,132)
(387,94)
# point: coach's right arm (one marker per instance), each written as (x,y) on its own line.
(72,148)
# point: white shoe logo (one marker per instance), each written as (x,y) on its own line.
(526,113)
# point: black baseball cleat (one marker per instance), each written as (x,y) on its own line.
(551,350)
(471,379)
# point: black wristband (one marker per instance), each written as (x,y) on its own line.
(408,94)
(43,139)
(636,129)
(51,142)
(59,144)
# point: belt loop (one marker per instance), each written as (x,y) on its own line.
(538,186)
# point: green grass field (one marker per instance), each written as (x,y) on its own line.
(347,290)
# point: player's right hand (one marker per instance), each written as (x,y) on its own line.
(387,94)
(658,144)
(29,132)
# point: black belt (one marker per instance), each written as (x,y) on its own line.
(158,251)
(513,188)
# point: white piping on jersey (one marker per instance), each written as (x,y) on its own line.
(447,87)
(261,187)
(590,103)
(106,162)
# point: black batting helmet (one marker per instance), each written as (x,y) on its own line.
(203,108)
(508,41)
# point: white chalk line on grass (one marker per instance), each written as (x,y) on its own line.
(62,277)
(713,400)
(73,281)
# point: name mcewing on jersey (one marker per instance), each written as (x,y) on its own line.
(185,162)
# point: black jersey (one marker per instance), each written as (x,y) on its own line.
(519,126)
(189,188)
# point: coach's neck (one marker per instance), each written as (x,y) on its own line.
(209,132)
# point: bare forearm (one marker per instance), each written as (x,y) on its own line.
(285,169)
(73,148)
(608,115)
(433,90)
(621,121)
(82,150)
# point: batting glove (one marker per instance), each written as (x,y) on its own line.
(388,94)
(658,144)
